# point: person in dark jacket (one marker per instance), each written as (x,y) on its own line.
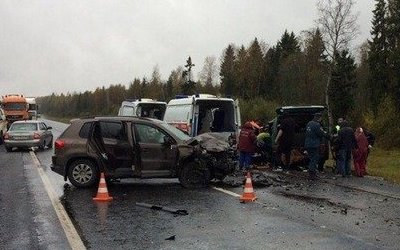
(246,146)
(346,143)
(284,139)
(314,137)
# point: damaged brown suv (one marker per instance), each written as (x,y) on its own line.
(126,147)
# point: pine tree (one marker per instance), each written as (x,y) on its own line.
(241,73)
(289,70)
(394,49)
(316,68)
(341,91)
(288,45)
(227,72)
(270,89)
(378,55)
(255,63)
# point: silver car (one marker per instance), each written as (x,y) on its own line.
(26,134)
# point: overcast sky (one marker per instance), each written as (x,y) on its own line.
(76,45)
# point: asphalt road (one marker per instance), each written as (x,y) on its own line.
(344,213)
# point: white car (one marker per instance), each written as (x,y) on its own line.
(26,134)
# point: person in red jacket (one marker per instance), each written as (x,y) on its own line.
(360,154)
(246,146)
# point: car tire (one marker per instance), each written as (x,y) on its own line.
(83,173)
(1,138)
(194,176)
(50,144)
(9,149)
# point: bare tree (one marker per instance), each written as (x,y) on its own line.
(209,73)
(339,27)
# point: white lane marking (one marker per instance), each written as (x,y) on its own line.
(226,191)
(72,235)
(265,205)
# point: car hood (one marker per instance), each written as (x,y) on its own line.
(213,142)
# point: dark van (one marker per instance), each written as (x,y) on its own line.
(301,115)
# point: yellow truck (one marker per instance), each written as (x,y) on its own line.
(15,108)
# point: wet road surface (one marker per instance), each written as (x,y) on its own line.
(355,213)
(27,218)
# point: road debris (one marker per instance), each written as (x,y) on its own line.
(166,209)
(171,238)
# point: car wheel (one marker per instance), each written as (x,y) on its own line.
(41,147)
(1,138)
(83,173)
(9,149)
(194,176)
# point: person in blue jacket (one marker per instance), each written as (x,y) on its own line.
(314,136)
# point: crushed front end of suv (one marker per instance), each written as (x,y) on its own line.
(135,147)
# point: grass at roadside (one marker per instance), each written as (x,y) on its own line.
(384,163)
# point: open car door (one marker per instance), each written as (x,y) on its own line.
(110,142)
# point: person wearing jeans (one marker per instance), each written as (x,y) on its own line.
(344,164)
(346,143)
(246,146)
(314,136)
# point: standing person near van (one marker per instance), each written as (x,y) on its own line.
(314,136)
(246,146)
(360,154)
(346,143)
(285,139)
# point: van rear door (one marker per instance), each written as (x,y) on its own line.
(238,121)
(194,120)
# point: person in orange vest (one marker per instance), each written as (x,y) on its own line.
(246,146)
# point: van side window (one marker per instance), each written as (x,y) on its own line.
(127,111)
(112,130)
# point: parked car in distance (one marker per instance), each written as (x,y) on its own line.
(138,147)
(26,134)
(3,125)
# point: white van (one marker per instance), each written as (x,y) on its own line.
(143,108)
(203,113)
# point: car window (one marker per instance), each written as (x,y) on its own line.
(112,130)
(176,132)
(149,134)
(42,126)
(84,132)
(23,127)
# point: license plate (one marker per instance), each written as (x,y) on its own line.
(20,137)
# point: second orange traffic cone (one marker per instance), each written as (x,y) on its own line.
(248,193)
(102,192)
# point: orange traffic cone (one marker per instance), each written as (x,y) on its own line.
(248,193)
(102,192)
